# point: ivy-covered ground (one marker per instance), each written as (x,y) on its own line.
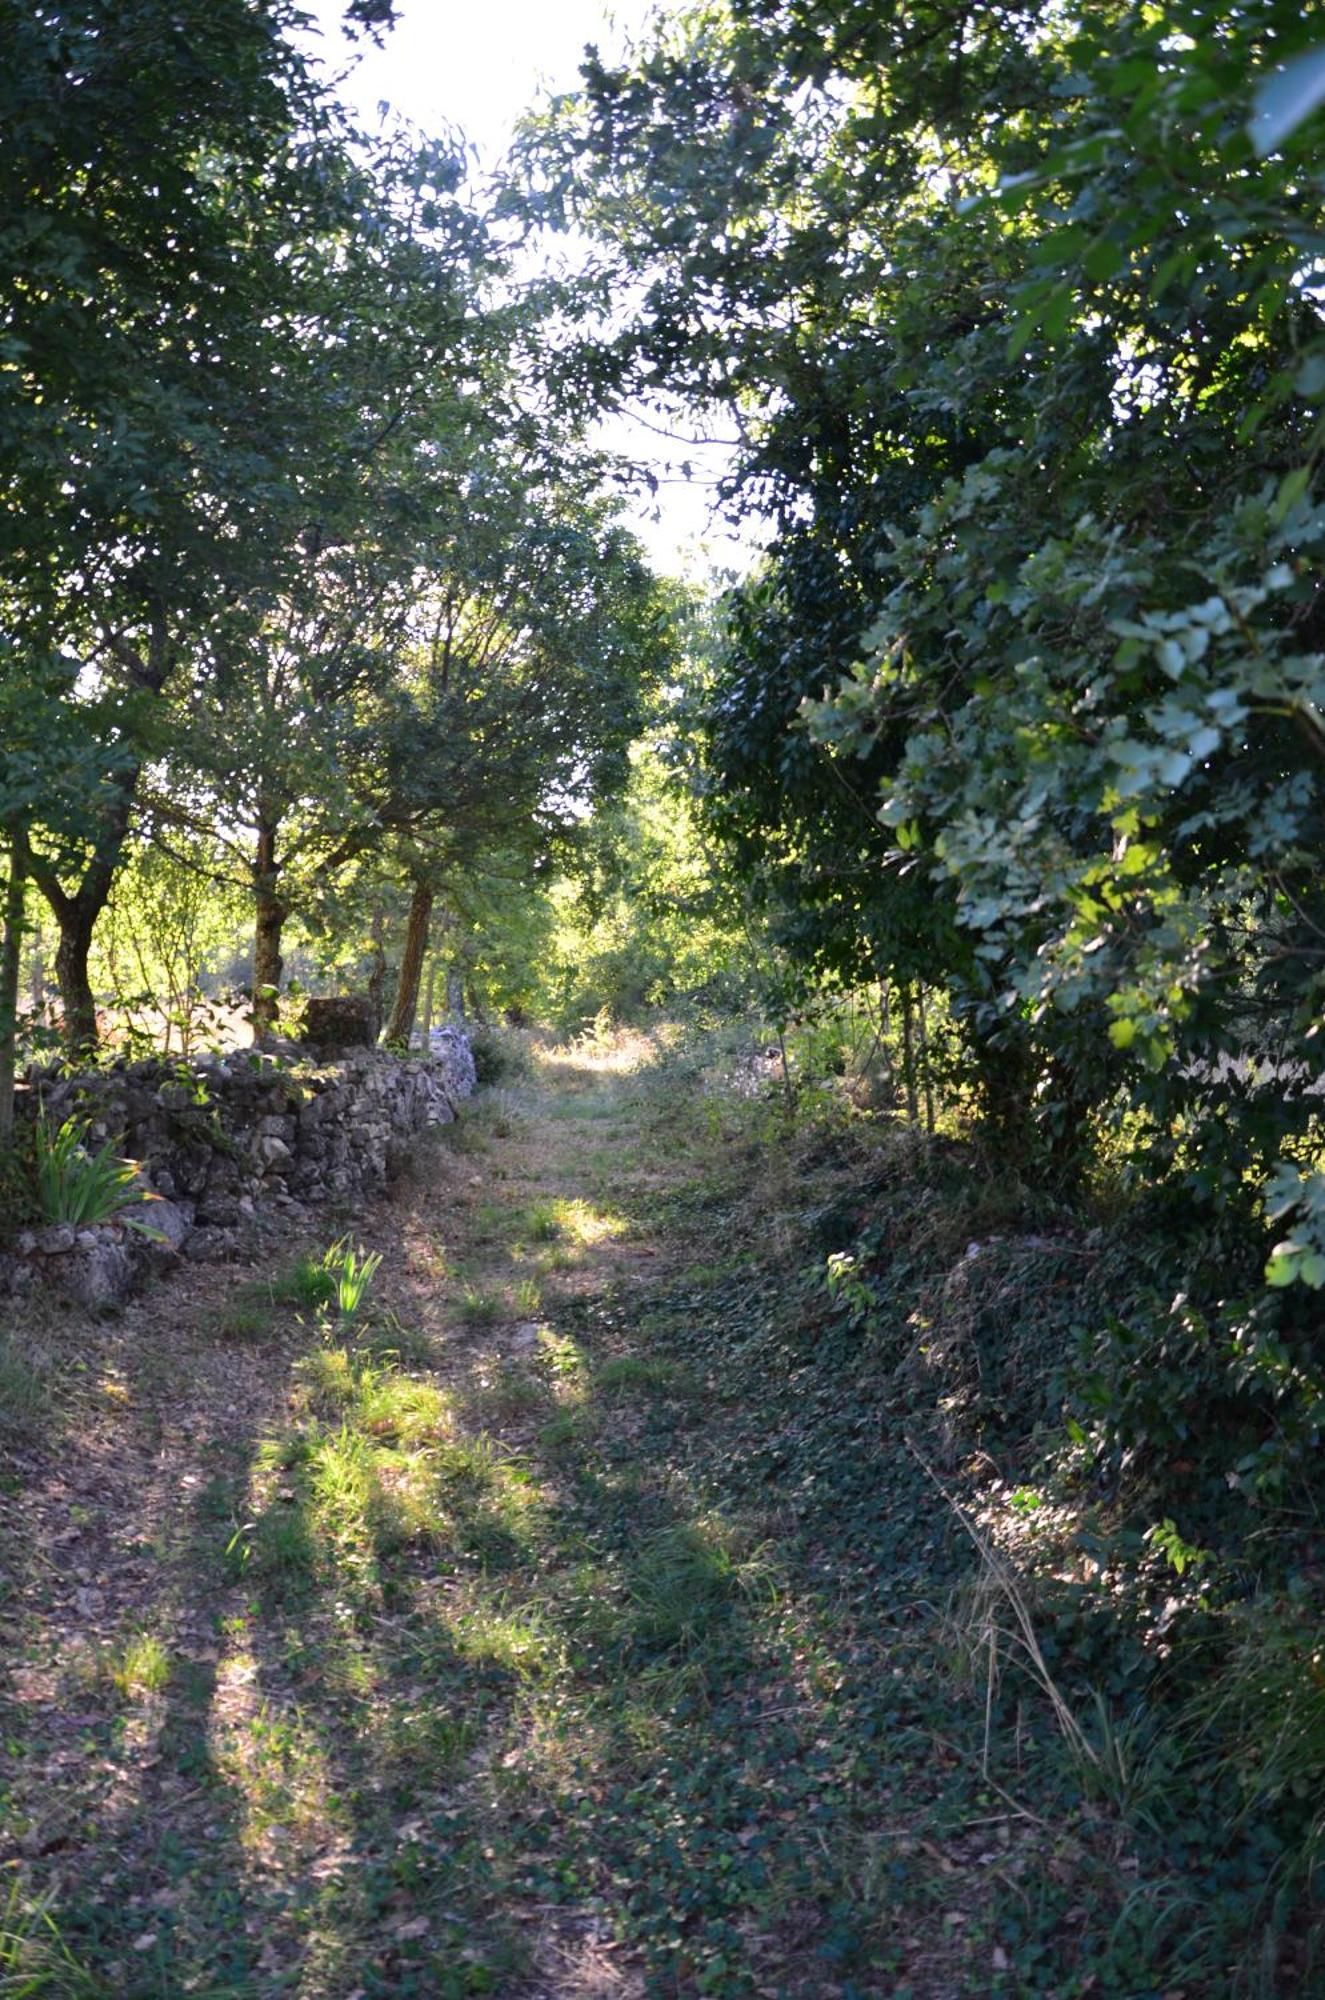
(585,1611)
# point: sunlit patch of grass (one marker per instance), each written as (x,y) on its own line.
(528,1298)
(518,1642)
(141,1668)
(403,1408)
(375,1396)
(274,1761)
(572,1221)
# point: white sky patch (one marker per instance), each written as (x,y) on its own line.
(477,68)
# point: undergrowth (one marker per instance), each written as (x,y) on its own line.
(737,1548)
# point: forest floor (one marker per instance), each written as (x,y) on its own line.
(537,1629)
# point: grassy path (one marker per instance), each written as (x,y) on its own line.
(529,1634)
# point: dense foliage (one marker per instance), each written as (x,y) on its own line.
(309,588)
(1016,315)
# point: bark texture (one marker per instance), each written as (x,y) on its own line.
(401,1026)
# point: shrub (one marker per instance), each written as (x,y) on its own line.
(81,1187)
(499,1055)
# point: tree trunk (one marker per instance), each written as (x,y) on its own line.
(377,977)
(269,914)
(401,1026)
(427,1001)
(76,913)
(909,1054)
(925,1078)
(11,950)
(37,973)
(78,1007)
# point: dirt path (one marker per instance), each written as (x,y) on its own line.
(481,1642)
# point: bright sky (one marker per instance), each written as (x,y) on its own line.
(479,65)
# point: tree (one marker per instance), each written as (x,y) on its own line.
(173,190)
(1014,327)
(542,635)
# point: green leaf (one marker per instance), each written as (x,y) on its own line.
(1284,1263)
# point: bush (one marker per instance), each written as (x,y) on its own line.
(500,1054)
(81,1187)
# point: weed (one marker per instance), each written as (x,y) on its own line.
(241,1319)
(143,1667)
(544,1222)
(83,1188)
(528,1299)
(308,1283)
(352,1270)
(647,1373)
(480,1309)
(517,1642)
(35,1962)
(24,1399)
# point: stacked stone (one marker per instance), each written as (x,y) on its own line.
(235,1146)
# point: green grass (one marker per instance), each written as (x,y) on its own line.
(244,1318)
(647,1628)
(306,1283)
(644,1374)
(142,1667)
(25,1405)
(480,1308)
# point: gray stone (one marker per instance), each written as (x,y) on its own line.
(209,1246)
(271,1141)
(98,1273)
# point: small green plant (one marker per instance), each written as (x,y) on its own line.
(83,1188)
(34,1959)
(846,1286)
(545,1224)
(142,1668)
(23,1395)
(644,1372)
(1179,1554)
(351,1269)
(244,1319)
(481,1308)
(528,1298)
(308,1283)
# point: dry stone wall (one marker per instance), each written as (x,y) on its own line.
(230,1148)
